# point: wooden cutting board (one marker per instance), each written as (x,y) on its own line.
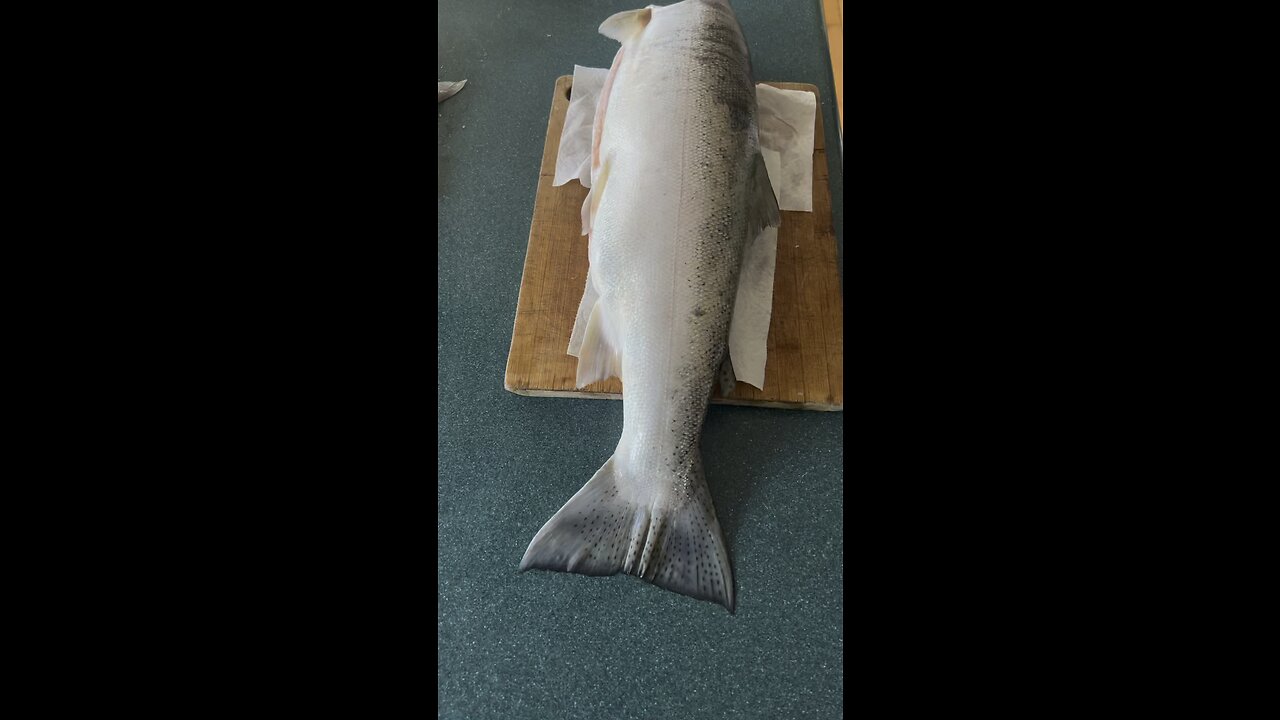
(805,364)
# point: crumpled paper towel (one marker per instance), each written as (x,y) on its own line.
(574,158)
(785,119)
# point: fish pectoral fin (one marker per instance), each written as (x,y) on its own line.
(599,357)
(611,526)
(762,203)
(626,25)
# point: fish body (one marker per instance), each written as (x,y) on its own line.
(679,188)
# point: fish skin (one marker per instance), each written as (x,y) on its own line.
(678,189)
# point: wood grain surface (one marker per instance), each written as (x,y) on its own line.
(805,365)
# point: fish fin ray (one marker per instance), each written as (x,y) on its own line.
(693,559)
(582,536)
(609,527)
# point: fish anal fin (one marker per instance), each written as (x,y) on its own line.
(599,357)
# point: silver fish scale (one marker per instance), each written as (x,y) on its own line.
(667,390)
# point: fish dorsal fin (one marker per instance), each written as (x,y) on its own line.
(762,203)
(626,25)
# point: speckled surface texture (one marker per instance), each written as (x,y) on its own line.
(553,645)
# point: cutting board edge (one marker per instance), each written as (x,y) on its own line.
(775,404)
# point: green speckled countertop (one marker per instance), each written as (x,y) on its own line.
(555,645)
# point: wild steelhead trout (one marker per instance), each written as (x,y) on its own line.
(678,190)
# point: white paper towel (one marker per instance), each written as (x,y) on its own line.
(753,309)
(785,119)
(786,128)
(574,158)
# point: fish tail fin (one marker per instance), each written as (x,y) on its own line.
(612,526)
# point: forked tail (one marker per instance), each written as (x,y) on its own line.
(612,526)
